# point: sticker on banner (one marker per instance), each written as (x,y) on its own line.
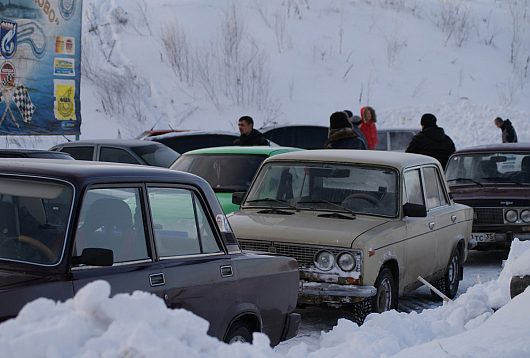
(67,8)
(64,103)
(7,75)
(64,45)
(8,38)
(64,66)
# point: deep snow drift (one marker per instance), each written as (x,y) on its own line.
(481,322)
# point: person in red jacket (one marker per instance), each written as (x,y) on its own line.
(368,126)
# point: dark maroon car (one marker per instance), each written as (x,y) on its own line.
(495,181)
(64,224)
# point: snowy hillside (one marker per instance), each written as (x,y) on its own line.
(201,64)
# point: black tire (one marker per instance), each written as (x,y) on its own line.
(239,332)
(448,284)
(386,297)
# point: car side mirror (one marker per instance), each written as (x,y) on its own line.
(237,197)
(94,256)
(414,210)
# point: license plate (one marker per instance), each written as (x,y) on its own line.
(483,236)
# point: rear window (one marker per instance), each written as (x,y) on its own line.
(223,172)
(185,143)
(80,153)
(156,155)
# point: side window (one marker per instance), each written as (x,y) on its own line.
(413,188)
(108,154)
(433,188)
(112,219)
(80,153)
(180,223)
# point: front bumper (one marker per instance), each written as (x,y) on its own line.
(322,292)
(503,238)
(292,324)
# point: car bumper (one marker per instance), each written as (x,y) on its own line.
(316,292)
(501,238)
(292,324)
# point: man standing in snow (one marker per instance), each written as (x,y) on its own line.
(341,134)
(508,132)
(432,141)
(248,135)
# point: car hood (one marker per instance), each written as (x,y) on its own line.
(301,227)
(225,199)
(464,193)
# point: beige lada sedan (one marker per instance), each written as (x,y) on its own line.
(363,225)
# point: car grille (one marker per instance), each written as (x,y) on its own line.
(492,216)
(303,254)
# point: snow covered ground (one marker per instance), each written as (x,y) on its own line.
(483,322)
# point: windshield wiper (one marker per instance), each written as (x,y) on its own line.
(321,201)
(283,202)
(474,181)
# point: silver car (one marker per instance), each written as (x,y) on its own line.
(363,225)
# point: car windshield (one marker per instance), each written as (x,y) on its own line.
(33,219)
(224,172)
(326,187)
(156,155)
(489,168)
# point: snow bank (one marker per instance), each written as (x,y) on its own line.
(481,322)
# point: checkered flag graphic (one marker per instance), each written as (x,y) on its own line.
(23,103)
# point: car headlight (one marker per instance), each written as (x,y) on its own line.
(525,216)
(324,260)
(510,216)
(346,262)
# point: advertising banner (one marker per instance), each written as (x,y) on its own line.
(40,67)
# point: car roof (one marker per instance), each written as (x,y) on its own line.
(255,150)
(499,147)
(32,151)
(81,172)
(398,160)
(115,142)
(192,133)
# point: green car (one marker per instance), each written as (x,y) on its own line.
(227,169)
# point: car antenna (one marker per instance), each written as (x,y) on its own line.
(65,137)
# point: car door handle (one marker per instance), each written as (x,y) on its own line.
(226,271)
(453,218)
(157,279)
(431,225)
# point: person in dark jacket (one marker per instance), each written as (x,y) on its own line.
(432,141)
(248,135)
(341,134)
(355,122)
(508,132)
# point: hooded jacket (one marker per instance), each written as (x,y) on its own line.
(253,138)
(344,138)
(508,132)
(432,141)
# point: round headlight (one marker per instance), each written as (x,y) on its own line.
(510,216)
(525,216)
(346,262)
(324,260)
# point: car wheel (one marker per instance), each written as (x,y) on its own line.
(386,297)
(239,332)
(448,284)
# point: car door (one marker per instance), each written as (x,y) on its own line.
(108,219)
(197,273)
(420,245)
(442,214)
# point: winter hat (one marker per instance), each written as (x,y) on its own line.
(428,120)
(339,120)
(348,113)
(356,120)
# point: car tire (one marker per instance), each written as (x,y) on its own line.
(386,297)
(239,332)
(449,283)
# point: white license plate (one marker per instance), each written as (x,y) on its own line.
(483,236)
